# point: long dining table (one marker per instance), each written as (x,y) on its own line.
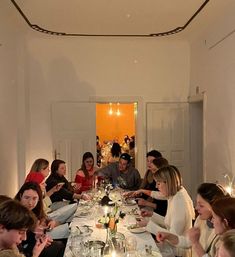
(88,214)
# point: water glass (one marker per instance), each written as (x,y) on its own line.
(131,244)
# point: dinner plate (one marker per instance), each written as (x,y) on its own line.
(137,230)
(153,253)
(82,214)
(130,202)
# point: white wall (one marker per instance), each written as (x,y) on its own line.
(73,69)
(11,71)
(213,71)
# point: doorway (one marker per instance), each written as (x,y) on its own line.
(115,123)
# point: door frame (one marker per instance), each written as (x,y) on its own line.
(139,128)
(194,99)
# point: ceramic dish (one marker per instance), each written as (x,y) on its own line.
(153,253)
(136,230)
(130,202)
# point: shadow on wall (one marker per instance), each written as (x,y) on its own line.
(64,83)
(47,84)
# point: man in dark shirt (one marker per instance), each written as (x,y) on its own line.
(122,173)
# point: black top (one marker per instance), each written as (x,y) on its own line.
(161,204)
(56,249)
(65,193)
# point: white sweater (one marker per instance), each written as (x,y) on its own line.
(179,216)
(208,239)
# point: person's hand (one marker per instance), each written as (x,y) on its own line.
(76,186)
(40,245)
(146,213)
(49,241)
(127,194)
(142,202)
(142,223)
(165,236)
(51,224)
(86,197)
(137,193)
(57,187)
(194,235)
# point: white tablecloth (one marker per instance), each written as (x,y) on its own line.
(100,233)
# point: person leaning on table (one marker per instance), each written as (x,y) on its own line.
(180,210)
(122,173)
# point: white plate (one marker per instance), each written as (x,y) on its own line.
(137,230)
(130,203)
(154,253)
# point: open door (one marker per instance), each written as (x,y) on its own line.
(168,132)
(73,133)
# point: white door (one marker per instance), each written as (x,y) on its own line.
(167,131)
(73,133)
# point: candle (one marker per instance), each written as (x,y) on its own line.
(105,213)
(113,254)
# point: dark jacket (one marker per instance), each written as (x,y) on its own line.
(65,193)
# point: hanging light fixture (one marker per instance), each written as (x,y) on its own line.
(110,109)
(118,111)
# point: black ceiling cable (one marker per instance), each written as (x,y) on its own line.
(157,34)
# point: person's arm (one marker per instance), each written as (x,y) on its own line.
(104,172)
(141,191)
(194,236)
(143,202)
(157,195)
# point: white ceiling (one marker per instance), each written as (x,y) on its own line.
(125,17)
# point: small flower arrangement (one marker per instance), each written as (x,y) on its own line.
(110,219)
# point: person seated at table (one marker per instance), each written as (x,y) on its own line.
(180,211)
(202,236)
(85,177)
(227,246)
(153,164)
(41,166)
(122,173)
(57,176)
(15,220)
(30,196)
(63,214)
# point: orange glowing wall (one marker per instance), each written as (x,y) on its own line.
(109,127)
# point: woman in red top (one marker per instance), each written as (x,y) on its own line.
(85,175)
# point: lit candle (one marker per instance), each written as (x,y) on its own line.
(113,254)
(105,213)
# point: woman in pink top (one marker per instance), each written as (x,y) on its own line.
(85,177)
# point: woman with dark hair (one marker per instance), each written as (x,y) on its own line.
(85,177)
(30,196)
(57,176)
(201,237)
(154,161)
(115,153)
(159,206)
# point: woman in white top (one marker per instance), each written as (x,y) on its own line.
(201,237)
(180,211)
